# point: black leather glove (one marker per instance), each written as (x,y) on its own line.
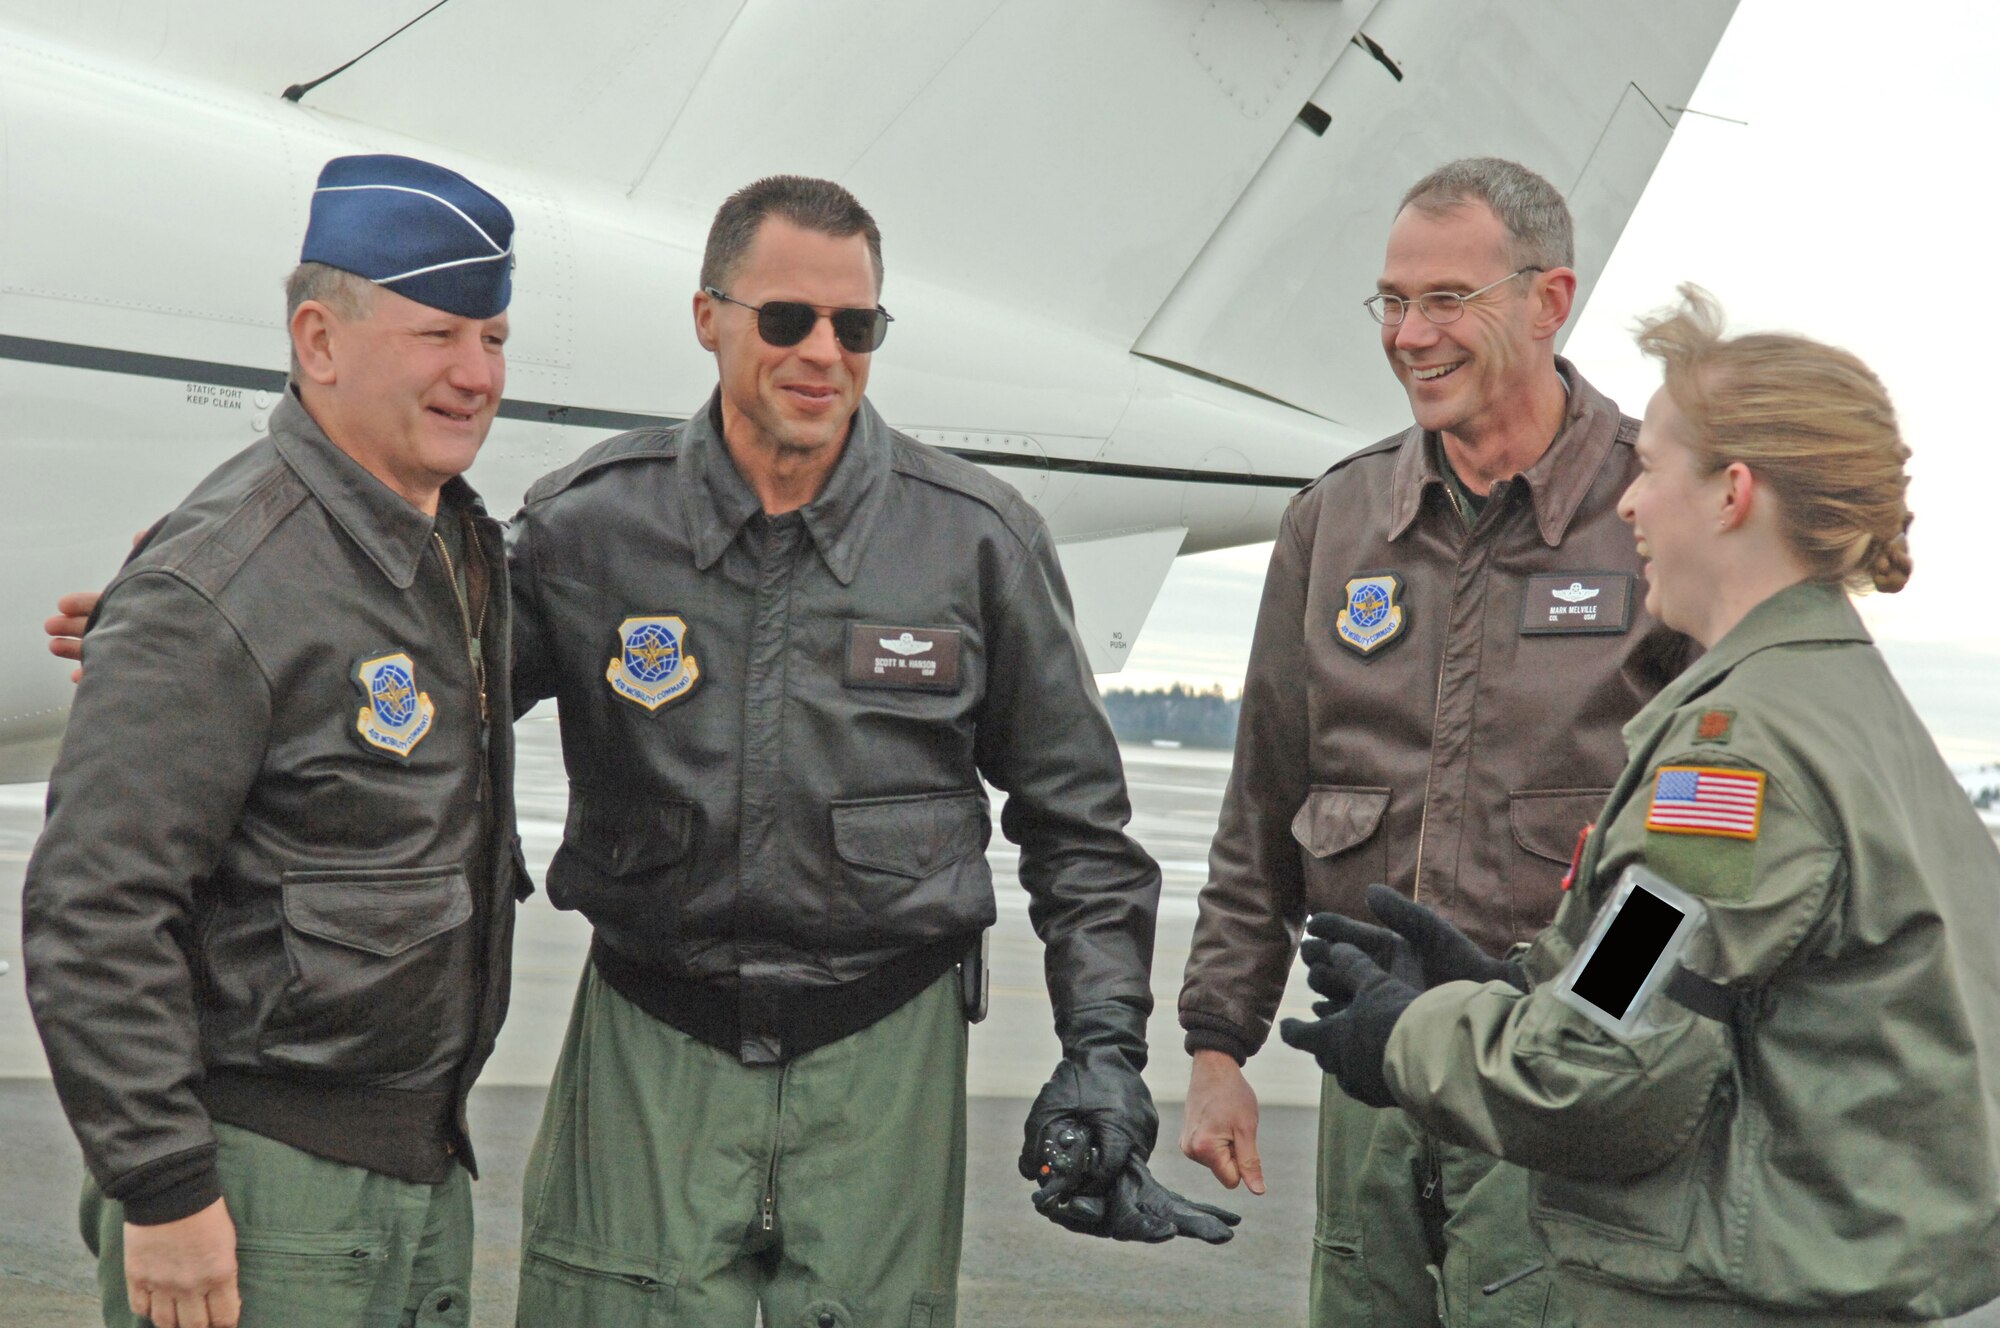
(1351,1034)
(1096,1085)
(1417,946)
(1137,1208)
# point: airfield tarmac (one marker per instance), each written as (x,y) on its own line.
(1018,1270)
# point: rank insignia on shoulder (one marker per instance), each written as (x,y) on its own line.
(395,716)
(1707,800)
(653,665)
(1372,618)
(1714,726)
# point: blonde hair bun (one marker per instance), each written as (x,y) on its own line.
(1810,420)
(1891,565)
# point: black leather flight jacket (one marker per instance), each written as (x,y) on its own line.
(247,905)
(775,729)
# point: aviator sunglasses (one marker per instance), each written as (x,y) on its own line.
(788,322)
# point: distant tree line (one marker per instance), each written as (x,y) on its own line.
(1194,717)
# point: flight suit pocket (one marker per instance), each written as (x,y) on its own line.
(308,1279)
(377,957)
(1544,825)
(1343,854)
(913,868)
(1655,1209)
(614,845)
(567,1282)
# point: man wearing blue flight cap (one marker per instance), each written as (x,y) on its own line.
(267,926)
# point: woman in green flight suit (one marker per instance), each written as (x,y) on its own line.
(1809,1131)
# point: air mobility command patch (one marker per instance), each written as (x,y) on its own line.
(1702,828)
(1372,617)
(653,665)
(395,716)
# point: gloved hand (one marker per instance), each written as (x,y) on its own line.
(1137,1208)
(1352,1030)
(1096,1085)
(1417,946)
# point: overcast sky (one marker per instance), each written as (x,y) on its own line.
(1855,207)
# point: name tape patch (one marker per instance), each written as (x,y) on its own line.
(917,659)
(1707,800)
(1568,603)
(395,716)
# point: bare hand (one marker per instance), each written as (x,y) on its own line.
(73,611)
(183,1274)
(1219,1122)
(65,629)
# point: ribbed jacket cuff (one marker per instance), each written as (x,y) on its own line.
(1208,1037)
(170,1189)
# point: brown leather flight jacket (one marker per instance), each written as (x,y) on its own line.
(1428,705)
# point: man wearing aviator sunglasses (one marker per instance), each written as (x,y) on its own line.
(1448,645)
(788,642)
(788,322)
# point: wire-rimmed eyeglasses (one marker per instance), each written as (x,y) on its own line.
(1435,306)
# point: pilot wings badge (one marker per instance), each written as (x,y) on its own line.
(1574,593)
(396,715)
(1372,618)
(653,665)
(905,645)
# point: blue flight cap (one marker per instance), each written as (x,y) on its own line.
(414,228)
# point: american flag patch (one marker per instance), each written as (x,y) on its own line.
(1705,800)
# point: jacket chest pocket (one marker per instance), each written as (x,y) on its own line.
(620,851)
(1343,855)
(1544,825)
(380,960)
(913,869)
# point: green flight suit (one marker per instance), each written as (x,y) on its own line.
(1831,1152)
(672,1184)
(319,1244)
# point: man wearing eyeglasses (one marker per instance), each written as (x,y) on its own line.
(787,643)
(1449,642)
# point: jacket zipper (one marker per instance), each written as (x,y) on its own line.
(1430,767)
(473,656)
(472,629)
(1437,708)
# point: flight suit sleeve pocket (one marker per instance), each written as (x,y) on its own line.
(1655,1208)
(913,868)
(1343,854)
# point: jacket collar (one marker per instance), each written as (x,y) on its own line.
(720,503)
(1810,611)
(393,533)
(1558,480)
